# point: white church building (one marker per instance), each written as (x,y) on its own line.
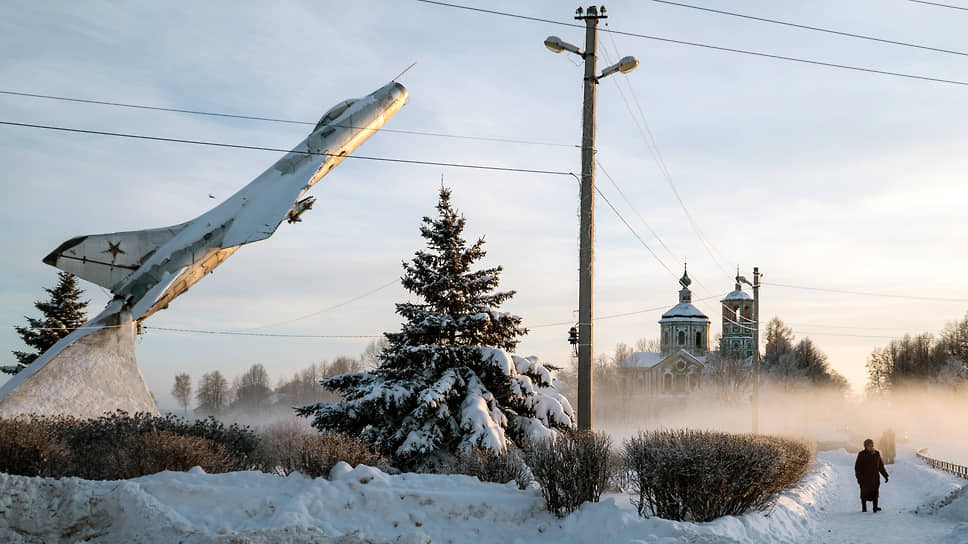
(677,369)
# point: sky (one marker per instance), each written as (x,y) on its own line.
(822,177)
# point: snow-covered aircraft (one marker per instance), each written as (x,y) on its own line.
(146,269)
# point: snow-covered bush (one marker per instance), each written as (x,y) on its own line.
(696,475)
(490,466)
(447,383)
(28,449)
(572,468)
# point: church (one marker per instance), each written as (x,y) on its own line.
(677,369)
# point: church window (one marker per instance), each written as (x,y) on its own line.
(665,337)
(667,382)
(682,338)
(698,339)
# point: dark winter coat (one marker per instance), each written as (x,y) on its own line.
(866,469)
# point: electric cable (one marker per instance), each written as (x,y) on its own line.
(279,149)
(395,281)
(815,28)
(867,294)
(939,4)
(278,120)
(274,335)
(708,46)
(653,148)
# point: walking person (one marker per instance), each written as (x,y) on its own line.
(868,469)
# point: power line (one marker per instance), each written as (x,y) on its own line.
(939,5)
(653,147)
(632,230)
(709,46)
(613,316)
(335,306)
(818,325)
(317,153)
(806,333)
(818,29)
(274,335)
(278,120)
(627,201)
(866,294)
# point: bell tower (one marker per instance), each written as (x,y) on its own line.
(738,325)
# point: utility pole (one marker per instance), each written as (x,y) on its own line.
(756,349)
(586,251)
(586,228)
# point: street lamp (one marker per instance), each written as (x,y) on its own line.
(587,197)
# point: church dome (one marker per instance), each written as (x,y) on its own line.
(683,310)
(737,294)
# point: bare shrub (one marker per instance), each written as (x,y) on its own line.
(318,453)
(156,451)
(30,448)
(702,475)
(280,446)
(489,466)
(572,468)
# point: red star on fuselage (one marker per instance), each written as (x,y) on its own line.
(114,249)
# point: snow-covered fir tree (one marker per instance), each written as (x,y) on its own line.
(447,382)
(62,313)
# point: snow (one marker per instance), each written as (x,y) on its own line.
(641,359)
(87,373)
(737,294)
(364,504)
(684,310)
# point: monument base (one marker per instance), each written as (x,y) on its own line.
(94,374)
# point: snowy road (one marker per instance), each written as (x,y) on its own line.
(910,502)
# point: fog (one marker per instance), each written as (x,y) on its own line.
(922,417)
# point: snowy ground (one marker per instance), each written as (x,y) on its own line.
(364,505)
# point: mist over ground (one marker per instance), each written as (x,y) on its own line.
(922,417)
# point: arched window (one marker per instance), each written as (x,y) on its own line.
(667,382)
(698,339)
(665,337)
(682,338)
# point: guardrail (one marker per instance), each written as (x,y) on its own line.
(957,470)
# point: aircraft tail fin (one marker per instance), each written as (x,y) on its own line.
(107,259)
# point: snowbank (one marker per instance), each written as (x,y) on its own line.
(366,505)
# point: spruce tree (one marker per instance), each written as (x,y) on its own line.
(446,382)
(63,312)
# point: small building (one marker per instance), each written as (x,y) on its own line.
(676,370)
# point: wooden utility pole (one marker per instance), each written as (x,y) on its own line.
(586,252)
(756,349)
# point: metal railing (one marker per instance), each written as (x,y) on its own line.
(957,470)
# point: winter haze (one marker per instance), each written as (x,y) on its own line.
(822,177)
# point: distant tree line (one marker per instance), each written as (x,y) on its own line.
(792,364)
(253,393)
(921,359)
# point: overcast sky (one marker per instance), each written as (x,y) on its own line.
(822,177)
